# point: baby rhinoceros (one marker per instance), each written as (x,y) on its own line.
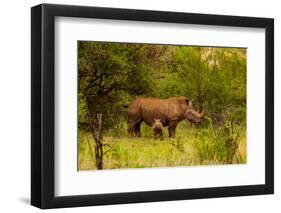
(157,129)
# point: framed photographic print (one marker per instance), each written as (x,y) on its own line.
(139,106)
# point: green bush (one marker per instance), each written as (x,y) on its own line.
(220,145)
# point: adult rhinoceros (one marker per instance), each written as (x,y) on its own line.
(170,111)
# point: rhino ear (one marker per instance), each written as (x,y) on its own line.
(189,102)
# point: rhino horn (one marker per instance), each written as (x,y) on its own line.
(201,115)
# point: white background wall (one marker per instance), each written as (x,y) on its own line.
(15,105)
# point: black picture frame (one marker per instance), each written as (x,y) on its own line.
(43,102)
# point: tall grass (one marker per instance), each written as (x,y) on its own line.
(215,147)
(192,146)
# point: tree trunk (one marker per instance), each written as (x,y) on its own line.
(99,144)
(95,129)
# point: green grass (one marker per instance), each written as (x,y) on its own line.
(187,149)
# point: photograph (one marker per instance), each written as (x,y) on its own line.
(135,105)
(143,105)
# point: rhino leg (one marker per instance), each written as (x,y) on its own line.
(134,128)
(130,130)
(161,136)
(137,129)
(172,129)
(154,135)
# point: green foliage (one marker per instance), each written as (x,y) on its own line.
(221,144)
(110,75)
(214,77)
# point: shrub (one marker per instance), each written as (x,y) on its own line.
(220,145)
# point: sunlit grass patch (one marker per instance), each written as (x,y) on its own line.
(146,152)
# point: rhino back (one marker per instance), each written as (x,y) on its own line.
(163,109)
